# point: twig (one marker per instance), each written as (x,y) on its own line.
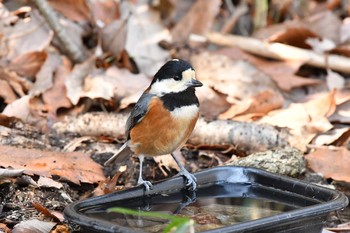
(281,51)
(74,52)
(231,22)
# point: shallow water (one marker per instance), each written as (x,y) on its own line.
(211,207)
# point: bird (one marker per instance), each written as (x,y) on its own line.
(163,118)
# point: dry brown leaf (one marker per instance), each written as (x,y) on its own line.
(74,82)
(295,36)
(33,226)
(126,83)
(145,30)
(56,96)
(105,11)
(4,228)
(77,10)
(28,64)
(19,85)
(239,80)
(305,119)
(260,104)
(113,36)
(48,183)
(278,30)
(42,209)
(342,113)
(212,103)
(45,75)
(198,20)
(27,36)
(331,163)
(345,31)
(18,108)
(332,136)
(282,72)
(107,186)
(6,92)
(334,80)
(325,24)
(74,166)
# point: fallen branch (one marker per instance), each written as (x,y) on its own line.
(281,51)
(247,137)
(75,53)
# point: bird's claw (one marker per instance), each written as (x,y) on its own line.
(147,184)
(191,180)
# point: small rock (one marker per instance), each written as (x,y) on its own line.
(286,161)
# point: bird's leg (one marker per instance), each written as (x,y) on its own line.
(191,179)
(141,181)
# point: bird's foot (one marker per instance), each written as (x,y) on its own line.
(191,180)
(147,184)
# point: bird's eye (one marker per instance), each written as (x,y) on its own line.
(177,78)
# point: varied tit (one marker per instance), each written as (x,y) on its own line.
(163,118)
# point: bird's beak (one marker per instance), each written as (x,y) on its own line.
(194,83)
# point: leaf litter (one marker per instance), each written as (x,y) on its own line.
(49,103)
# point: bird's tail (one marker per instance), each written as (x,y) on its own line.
(121,155)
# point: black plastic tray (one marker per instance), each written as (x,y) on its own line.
(249,182)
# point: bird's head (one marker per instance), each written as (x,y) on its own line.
(173,77)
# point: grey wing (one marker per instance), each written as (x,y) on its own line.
(138,112)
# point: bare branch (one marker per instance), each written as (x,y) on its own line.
(281,51)
(74,52)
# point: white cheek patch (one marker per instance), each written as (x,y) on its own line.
(185,112)
(167,86)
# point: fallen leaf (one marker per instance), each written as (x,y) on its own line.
(325,24)
(144,31)
(18,108)
(334,80)
(261,103)
(107,186)
(48,183)
(239,80)
(74,166)
(4,228)
(345,31)
(342,113)
(56,96)
(87,81)
(6,92)
(75,80)
(294,36)
(45,75)
(113,36)
(105,11)
(5,172)
(33,226)
(331,163)
(198,20)
(331,136)
(28,64)
(18,84)
(42,209)
(305,119)
(212,103)
(77,10)
(282,72)
(27,36)
(321,45)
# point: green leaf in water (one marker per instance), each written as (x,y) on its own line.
(176,225)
